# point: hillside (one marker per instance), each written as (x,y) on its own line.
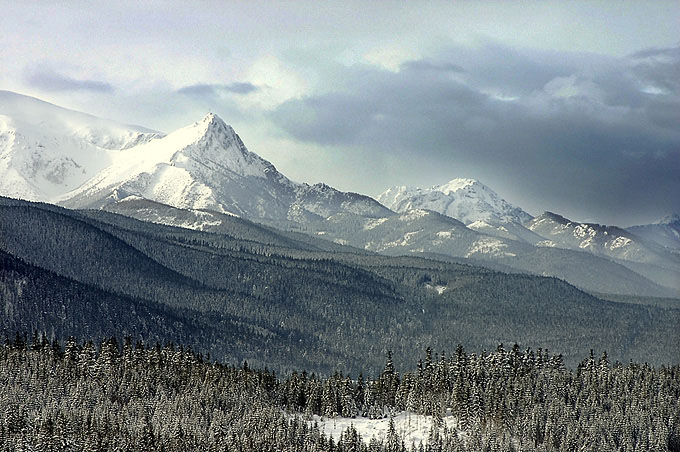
(300,307)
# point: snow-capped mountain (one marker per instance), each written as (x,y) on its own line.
(419,233)
(52,154)
(665,232)
(425,232)
(202,166)
(468,201)
(46,150)
(201,175)
(206,166)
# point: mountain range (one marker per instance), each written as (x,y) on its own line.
(201,174)
(287,300)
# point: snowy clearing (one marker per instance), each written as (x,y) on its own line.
(413,428)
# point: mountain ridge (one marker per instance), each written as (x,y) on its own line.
(467,200)
(47,150)
(205,167)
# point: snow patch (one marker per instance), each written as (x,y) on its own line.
(403,242)
(619,242)
(413,428)
(371,224)
(413,214)
(489,246)
(438,288)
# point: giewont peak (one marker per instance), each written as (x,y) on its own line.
(213,124)
(211,117)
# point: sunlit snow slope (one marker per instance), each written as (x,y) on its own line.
(46,150)
(207,166)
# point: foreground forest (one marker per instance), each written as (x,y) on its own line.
(125,396)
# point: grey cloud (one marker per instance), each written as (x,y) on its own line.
(429,65)
(656,52)
(493,66)
(659,68)
(47,79)
(205,89)
(601,147)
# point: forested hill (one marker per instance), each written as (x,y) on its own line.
(273,300)
(115,396)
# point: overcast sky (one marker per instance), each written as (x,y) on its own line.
(572,107)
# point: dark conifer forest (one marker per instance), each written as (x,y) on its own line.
(327,332)
(290,302)
(129,396)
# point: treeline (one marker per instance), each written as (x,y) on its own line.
(129,396)
(529,398)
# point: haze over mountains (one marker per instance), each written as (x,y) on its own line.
(56,155)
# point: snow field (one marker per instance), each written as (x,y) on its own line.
(413,428)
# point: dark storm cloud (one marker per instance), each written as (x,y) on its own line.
(597,137)
(514,70)
(211,90)
(47,79)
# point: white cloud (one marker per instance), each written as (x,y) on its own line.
(390,57)
(278,83)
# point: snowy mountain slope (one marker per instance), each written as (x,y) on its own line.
(207,166)
(325,201)
(509,230)
(665,232)
(213,222)
(46,150)
(609,241)
(204,165)
(52,154)
(427,232)
(467,200)
(417,232)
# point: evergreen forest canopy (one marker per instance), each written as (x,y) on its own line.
(129,397)
(292,302)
